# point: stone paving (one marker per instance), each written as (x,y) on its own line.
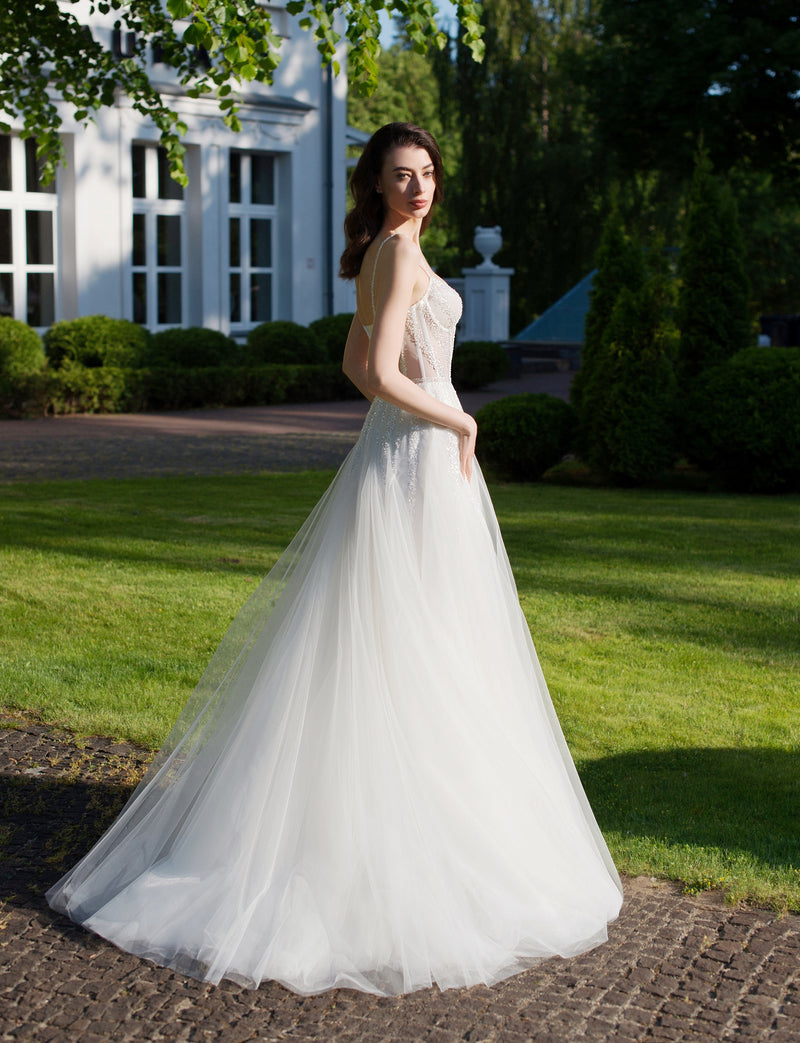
(675,968)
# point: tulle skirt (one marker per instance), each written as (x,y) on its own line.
(369,787)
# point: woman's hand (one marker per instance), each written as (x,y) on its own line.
(466,445)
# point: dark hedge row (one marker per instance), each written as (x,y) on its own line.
(111,389)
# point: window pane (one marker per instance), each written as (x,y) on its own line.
(167,188)
(140,297)
(236,258)
(33,170)
(262,179)
(41,299)
(260,297)
(139,240)
(5,163)
(5,237)
(6,293)
(169,297)
(235,178)
(168,240)
(39,234)
(260,243)
(138,170)
(236,297)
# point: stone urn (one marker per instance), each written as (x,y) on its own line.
(487,242)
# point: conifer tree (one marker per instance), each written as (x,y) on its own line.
(630,400)
(712,313)
(619,264)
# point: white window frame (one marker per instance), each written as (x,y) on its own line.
(19,201)
(152,207)
(246,211)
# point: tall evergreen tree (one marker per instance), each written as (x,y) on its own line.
(619,263)
(713,303)
(630,401)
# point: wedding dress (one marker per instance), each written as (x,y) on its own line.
(369,787)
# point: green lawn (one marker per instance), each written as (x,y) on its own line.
(668,625)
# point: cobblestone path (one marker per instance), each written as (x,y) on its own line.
(675,968)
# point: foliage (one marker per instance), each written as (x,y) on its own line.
(528,162)
(712,312)
(629,403)
(192,347)
(745,421)
(213,46)
(261,385)
(770,223)
(521,436)
(619,263)
(331,331)
(283,342)
(21,351)
(726,72)
(477,363)
(96,340)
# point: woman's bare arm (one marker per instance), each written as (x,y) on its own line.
(396,287)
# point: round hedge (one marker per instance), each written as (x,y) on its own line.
(744,420)
(192,348)
(97,340)
(521,436)
(477,363)
(283,342)
(21,351)
(331,331)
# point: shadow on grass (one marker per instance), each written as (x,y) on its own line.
(737,800)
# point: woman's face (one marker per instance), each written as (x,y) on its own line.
(407,182)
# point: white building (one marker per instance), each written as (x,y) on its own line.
(256,235)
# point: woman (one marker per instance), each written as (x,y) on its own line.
(369,787)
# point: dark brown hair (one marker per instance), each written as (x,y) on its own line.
(364,221)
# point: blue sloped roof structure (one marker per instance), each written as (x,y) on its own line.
(563,321)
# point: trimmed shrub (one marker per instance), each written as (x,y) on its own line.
(285,343)
(176,388)
(521,436)
(192,348)
(97,340)
(331,331)
(744,420)
(21,351)
(477,363)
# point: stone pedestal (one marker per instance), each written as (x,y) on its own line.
(485,290)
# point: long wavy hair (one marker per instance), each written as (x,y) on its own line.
(364,221)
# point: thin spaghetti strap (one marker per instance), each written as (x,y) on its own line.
(391,235)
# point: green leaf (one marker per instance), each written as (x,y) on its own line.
(179,8)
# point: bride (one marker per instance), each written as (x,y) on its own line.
(369,787)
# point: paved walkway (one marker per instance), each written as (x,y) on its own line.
(205,441)
(675,968)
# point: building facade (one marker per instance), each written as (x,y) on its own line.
(255,236)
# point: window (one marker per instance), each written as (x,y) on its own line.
(159,240)
(251,229)
(28,235)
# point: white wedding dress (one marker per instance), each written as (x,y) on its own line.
(369,788)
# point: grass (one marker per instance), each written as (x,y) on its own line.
(668,625)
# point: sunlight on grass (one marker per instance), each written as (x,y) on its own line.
(668,626)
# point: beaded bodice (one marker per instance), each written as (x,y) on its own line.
(430,331)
